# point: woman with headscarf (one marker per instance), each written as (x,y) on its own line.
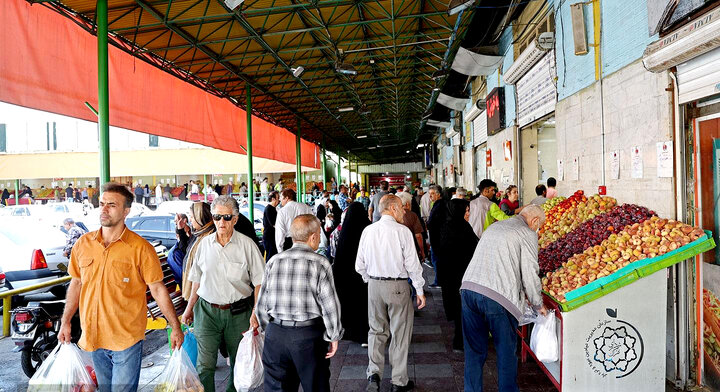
(457,245)
(200,219)
(351,290)
(336,211)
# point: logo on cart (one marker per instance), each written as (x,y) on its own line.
(614,347)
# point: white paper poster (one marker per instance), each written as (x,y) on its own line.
(560,170)
(615,164)
(636,161)
(575,169)
(664,159)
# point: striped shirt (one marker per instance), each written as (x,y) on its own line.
(298,285)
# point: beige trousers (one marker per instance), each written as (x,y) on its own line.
(390,313)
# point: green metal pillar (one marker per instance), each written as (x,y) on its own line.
(204,186)
(248,113)
(324,168)
(298,165)
(339,177)
(103,94)
(17,192)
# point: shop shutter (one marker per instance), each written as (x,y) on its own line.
(699,77)
(536,91)
(480,129)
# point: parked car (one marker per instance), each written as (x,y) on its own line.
(2,281)
(173,207)
(154,228)
(32,254)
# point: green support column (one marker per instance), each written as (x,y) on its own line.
(339,177)
(298,165)
(204,186)
(248,110)
(324,168)
(103,94)
(17,192)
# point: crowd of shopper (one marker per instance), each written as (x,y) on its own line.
(349,267)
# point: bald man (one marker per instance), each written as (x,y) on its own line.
(386,258)
(299,311)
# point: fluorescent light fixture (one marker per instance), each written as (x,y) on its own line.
(345,69)
(297,71)
(436,88)
(439,74)
(420,146)
(232,4)
(407,152)
(372,61)
(361,136)
(372,148)
(456,6)
(346,109)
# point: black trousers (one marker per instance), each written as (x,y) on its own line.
(293,356)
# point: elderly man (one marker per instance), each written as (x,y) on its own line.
(111,270)
(386,258)
(289,211)
(435,222)
(483,212)
(412,221)
(228,265)
(502,273)
(73,233)
(299,310)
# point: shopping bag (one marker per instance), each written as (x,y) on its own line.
(248,372)
(543,340)
(189,344)
(64,370)
(179,375)
(530,315)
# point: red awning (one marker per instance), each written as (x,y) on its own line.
(47,62)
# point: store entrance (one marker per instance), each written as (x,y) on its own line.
(708,132)
(539,156)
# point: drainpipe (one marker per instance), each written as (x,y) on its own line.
(103,95)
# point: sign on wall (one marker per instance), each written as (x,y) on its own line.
(488,158)
(495,102)
(507,150)
(664,159)
(536,91)
(636,161)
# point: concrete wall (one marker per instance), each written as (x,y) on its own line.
(637,113)
(503,172)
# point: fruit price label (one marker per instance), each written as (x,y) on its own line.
(636,160)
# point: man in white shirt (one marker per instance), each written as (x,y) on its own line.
(425,205)
(194,189)
(386,258)
(264,188)
(226,279)
(158,194)
(289,211)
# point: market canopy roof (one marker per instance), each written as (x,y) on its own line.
(394,46)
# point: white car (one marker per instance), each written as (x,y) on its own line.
(32,253)
(173,207)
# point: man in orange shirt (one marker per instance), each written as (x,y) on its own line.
(111,269)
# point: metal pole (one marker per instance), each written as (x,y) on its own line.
(103,95)
(248,113)
(205,186)
(339,178)
(324,168)
(17,192)
(298,164)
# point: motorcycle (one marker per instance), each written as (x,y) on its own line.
(35,330)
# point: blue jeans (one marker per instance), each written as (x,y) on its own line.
(118,371)
(482,316)
(433,260)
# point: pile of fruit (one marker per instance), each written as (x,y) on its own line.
(590,233)
(551,203)
(651,238)
(711,316)
(565,218)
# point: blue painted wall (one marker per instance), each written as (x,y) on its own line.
(496,80)
(624,38)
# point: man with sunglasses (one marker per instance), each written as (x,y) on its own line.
(226,278)
(289,211)
(483,212)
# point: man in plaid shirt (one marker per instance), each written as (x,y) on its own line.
(299,311)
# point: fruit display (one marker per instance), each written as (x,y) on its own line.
(565,218)
(711,350)
(551,203)
(711,316)
(590,233)
(651,238)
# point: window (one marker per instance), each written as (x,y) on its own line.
(3,138)
(155,224)
(153,141)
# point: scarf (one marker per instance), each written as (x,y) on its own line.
(204,231)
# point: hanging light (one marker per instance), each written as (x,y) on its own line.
(345,69)
(456,6)
(296,72)
(346,109)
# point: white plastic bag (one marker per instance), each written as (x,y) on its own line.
(248,372)
(543,340)
(63,371)
(179,375)
(530,315)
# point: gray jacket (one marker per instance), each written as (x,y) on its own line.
(504,266)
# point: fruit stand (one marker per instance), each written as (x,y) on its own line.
(603,268)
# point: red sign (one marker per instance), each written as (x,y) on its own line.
(488,158)
(495,102)
(394,180)
(507,148)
